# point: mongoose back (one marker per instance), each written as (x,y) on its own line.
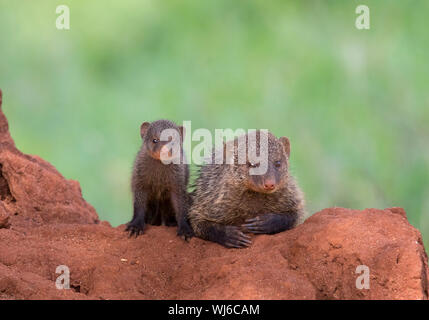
(229,202)
(159,189)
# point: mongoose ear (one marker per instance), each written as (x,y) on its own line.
(286,144)
(143,128)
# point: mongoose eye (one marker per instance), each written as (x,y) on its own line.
(277,164)
(253,165)
(155,140)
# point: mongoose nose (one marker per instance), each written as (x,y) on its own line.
(269,185)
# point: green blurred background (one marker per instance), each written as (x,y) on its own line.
(354,103)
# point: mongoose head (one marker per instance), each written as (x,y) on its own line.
(160,137)
(273,164)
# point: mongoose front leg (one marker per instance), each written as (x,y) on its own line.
(181,209)
(137,224)
(228,236)
(269,223)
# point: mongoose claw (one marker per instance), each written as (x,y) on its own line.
(135,228)
(266,224)
(259,224)
(185,231)
(235,238)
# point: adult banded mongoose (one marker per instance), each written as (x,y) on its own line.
(159,189)
(229,202)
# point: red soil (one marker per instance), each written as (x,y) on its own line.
(45,222)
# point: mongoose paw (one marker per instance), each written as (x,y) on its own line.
(264,224)
(185,231)
(235,238)
(135,228)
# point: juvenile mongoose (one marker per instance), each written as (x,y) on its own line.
(159,189)
(229,202)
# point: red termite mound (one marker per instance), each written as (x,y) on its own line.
(45,223)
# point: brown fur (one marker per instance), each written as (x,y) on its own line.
(159,190)
(229,202)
